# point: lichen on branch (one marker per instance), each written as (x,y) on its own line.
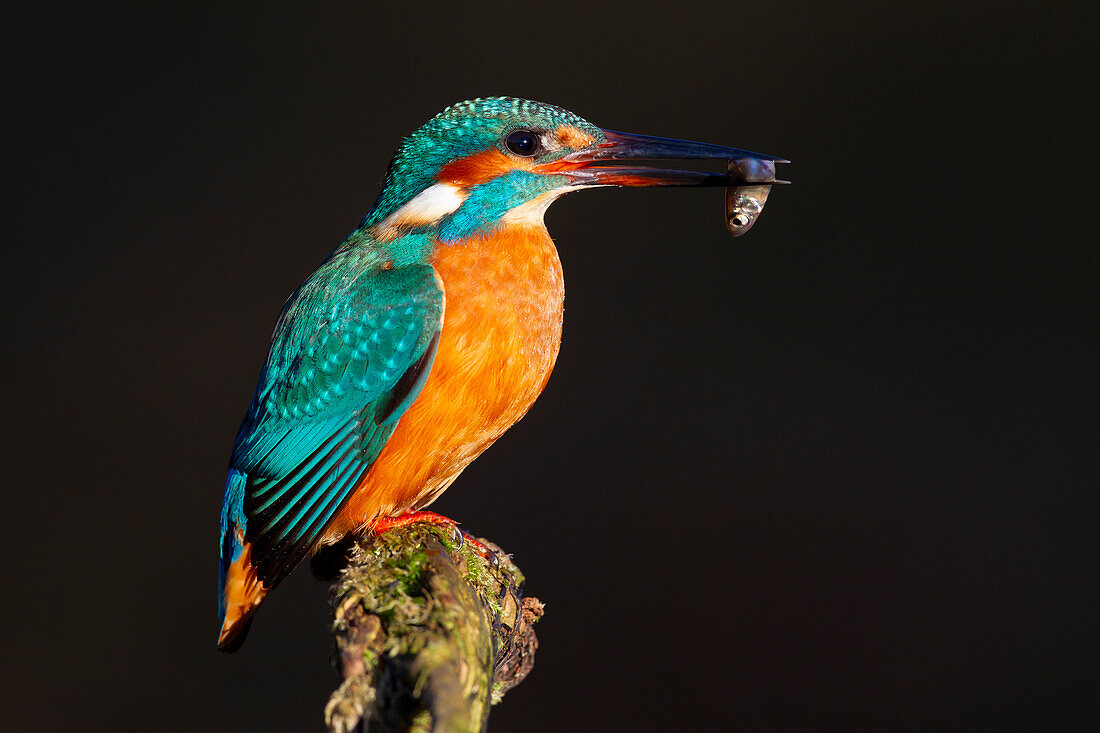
(429,632)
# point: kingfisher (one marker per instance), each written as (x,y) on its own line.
(426,334)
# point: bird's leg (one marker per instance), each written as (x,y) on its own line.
(385,524)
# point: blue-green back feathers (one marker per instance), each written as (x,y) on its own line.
(350,352)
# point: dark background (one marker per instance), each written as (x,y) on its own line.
(837,474)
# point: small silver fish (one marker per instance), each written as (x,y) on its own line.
(744,203)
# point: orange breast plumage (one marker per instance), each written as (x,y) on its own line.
(501,332)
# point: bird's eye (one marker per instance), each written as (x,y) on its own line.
(523,143)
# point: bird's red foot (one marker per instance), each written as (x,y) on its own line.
(385,524)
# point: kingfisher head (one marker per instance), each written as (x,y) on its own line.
(486,163)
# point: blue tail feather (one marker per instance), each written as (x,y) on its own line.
(233,521)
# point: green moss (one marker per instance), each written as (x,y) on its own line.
(499,688)
(438,603)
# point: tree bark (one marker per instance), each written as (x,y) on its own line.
(429,633)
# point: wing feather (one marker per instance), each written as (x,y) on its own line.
(345,362)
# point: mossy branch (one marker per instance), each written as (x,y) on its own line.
(428,633)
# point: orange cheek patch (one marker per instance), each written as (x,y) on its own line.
(476,169)
(571,137)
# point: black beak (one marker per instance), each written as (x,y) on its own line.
(595,166)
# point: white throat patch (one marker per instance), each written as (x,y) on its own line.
(531,213)
(427,207)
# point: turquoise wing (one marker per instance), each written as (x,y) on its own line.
(346,360)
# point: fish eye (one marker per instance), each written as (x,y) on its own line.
(523,143)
